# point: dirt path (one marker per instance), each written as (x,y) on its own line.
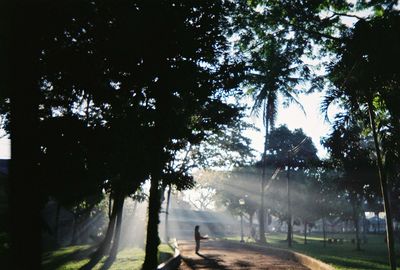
(226,255)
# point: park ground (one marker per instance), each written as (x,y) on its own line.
(341,256)
(373,255)
(228,255)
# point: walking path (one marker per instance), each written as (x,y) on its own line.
(227,255)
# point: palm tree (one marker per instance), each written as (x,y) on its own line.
(271,74)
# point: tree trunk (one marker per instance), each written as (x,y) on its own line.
(324,231)
(365,227)
(289,205)
(104,246)
(167,213)
(384,189)
(377,228)
(57,221)
(106,243)
(152,238)
(73,236)
(356,222)
(22,33)
(109,206)
(117,233)
(251,216)
(305,232)
(263,177)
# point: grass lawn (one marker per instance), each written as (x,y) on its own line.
(341,256)
(74,257)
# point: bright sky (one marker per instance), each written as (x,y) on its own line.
(313,123)
(4,146)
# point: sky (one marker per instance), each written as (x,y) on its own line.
(313,122)
(4,146)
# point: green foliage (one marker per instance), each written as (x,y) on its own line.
(350,153)
(291,147)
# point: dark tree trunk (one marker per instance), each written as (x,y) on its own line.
(57,221)
(261,211)
(356,222)
(152,238)
(106,243)
(167,213)
(289,205)
(119,209)
(305,232)
(109,206)
(74,225)
(263,177)
(377,228)
(22,35)
(251,216)
(324,230)
(365,227)
(384,188)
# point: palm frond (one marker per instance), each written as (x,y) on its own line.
(292,98)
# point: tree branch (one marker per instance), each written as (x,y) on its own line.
(345,15)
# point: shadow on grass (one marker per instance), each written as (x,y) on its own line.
(108,262)
(346,263)
(55,261)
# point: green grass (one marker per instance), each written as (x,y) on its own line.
(74,257)
(341,256)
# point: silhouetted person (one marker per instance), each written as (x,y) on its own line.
(198,237)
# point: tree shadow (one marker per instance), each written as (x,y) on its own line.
(209,261)
(108,262)
(342,262)
(62,259)
(244,264)
(93,261)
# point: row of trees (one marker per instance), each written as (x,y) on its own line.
(302,188)
(279,41)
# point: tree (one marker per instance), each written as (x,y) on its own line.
(361,79)
(348,151)
(235,185)
(21,102)
(142,99)
(295,151)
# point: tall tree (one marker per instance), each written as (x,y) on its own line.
(361,79)
(349,153)
(22,103)
(295,151)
